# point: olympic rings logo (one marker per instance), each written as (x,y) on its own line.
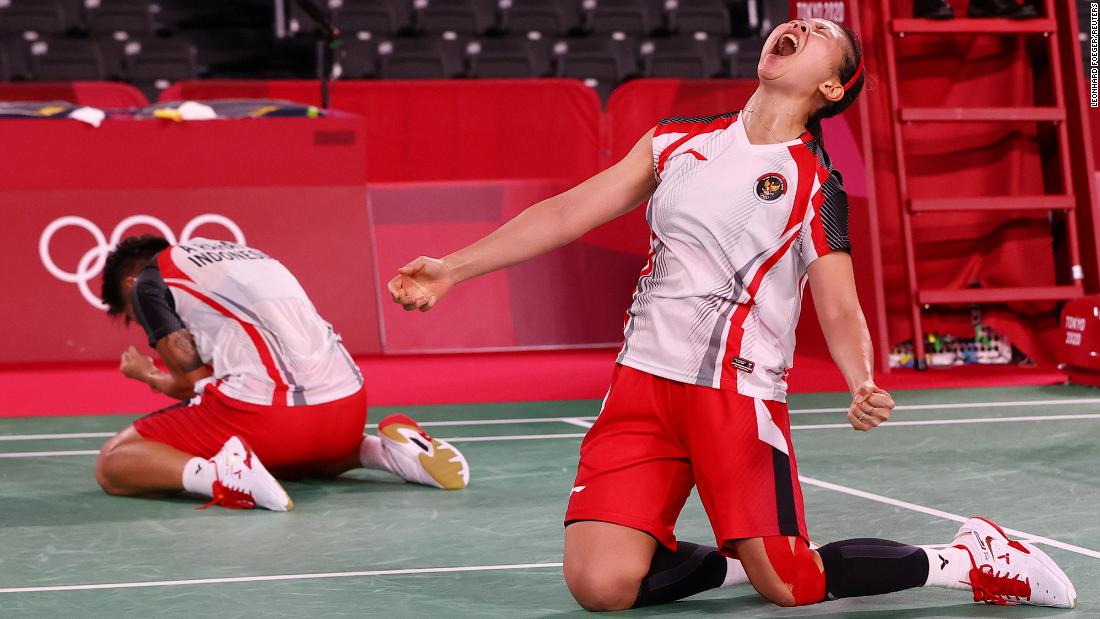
(92,262)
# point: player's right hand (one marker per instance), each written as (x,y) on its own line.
(422,283)
(135,365)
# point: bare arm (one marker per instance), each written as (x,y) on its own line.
(185,368)
(540,228)
(563,218)
(833,283)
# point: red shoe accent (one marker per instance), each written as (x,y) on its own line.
(1018,546)
(994,587)
(405,421)
(229,498)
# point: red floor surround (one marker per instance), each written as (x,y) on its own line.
(97,389)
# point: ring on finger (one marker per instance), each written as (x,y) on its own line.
(861,417)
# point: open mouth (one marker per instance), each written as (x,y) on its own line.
(786,45)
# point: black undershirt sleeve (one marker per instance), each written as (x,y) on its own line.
(153,304)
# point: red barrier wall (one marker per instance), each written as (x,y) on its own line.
(451,130)
(551,133)
(293,187)
(94,94)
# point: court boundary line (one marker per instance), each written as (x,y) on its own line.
(580,422)
(931,511)
(572,419)
(280,577)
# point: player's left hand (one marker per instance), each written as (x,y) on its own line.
(870,407)
(136,365)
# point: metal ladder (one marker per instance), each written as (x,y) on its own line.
(1066,203)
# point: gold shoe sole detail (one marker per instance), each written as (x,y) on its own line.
(445,473)
(448,474)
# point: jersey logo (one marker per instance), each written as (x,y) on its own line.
(770,187)
(743,364)
(695,153)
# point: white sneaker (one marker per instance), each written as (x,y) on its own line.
(419,458)
(1008,572)
(243,482)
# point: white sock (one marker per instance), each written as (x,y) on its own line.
(372,454)
(948,567)
(199,476)
(735,573)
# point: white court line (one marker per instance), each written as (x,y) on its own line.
(924,407)
(50,437)
(532,437)
(315,576)
(495,422)
(942,514)
(490,422)
(46,454)
(948,422)
(518,437)
(578,421)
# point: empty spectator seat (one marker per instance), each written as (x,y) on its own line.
(631,17)
(125,18)
(358,57)
(549,17)
(526,56)
(426,58)
(464,17)
(152,64)
(741,57)
(688,16)
(59,60)
(694,57)
(601,62)
(41,17)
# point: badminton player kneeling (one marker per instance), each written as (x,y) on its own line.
(744,207)
(269,384)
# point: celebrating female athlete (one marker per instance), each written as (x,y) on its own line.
(744,207)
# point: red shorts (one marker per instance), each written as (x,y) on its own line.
(291,441)
(656,438)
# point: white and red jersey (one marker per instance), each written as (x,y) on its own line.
(251,320)
(734,227)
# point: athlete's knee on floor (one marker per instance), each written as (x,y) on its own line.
(104,464)
(601,585)
(784,570)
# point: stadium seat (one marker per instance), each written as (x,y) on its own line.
(688,16)
(749,17)
(631,17)
(741,57)
(153,64)
(464,17)
(43,18)
(231,52)
(358,58)
(122,18)
(6,74)
(180,15)
(66,60)
(684,57)
(378,19)
(511,57)
(427,58)
(601,62)
(548,17)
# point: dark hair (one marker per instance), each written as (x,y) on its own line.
(848,66)
(127,258)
